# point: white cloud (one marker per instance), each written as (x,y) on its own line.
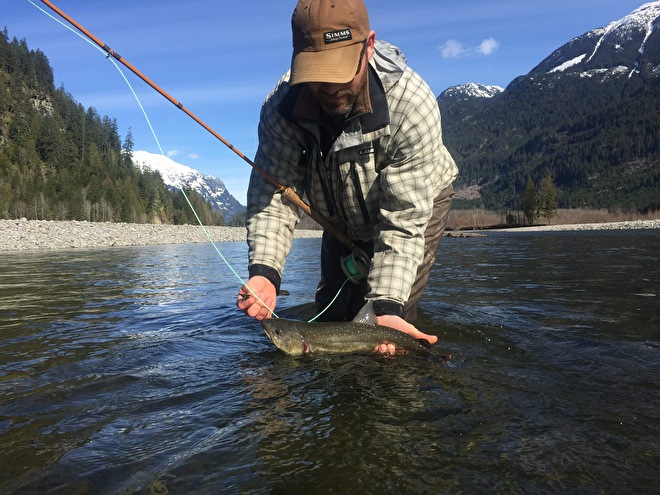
(488,46)
(452,49)
(173,153)
(456,49)
(193,156)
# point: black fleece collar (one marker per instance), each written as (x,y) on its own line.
(298,98)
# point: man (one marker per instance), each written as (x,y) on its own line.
(358,132)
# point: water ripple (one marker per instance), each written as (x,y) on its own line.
(131,371)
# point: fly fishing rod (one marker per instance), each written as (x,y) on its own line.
(357,259)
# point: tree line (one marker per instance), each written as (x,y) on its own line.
(598,139)
(61,161)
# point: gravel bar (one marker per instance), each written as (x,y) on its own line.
(630,225)
(23,235)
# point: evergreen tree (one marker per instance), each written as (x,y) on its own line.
(60,161)
(530,202)
(599,137)
(127,149)
(240,219)
(547,198)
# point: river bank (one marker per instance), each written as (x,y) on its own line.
(24,235)
(630,225)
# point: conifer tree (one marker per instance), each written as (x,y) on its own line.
(547,198)
(60,161)
(530,202)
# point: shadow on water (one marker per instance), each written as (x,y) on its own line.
(131,371)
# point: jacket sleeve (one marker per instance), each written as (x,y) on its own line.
(417,168)
(271,219)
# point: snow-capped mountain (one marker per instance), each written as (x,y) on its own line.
(472,90)
(176,176)
(586,116)
(459,102)
(624,47)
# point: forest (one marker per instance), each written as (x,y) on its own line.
(61,161)
(599,141)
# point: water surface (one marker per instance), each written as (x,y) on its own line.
(129,370)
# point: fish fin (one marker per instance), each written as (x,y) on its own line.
(425,343)
(366,314)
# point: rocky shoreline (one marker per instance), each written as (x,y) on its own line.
(630,225)
(24,235)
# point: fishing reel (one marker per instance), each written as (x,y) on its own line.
(355,265)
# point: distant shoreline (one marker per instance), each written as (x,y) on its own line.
(628,225)
(35,235)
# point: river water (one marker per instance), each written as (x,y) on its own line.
(129,370)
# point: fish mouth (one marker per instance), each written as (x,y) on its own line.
(282,338)
(268,330)
(272,332)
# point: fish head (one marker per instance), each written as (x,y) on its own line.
(285,335)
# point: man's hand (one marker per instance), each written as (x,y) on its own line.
(402,325)
(266,294)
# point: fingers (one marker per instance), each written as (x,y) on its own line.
(252,307)
(385,349)
(258,311)
(431,338)
(412,331)
(400,324)
(256,303)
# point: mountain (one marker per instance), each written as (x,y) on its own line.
(625,47)
(466,99)
(587,116)
(61,161)
(177,176)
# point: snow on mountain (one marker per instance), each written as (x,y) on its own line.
(466,100)
(176,176)
(629,43)
(641,19)
(472,90)
(571,107)
(570,63)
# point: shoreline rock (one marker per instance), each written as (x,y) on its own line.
(629,225)
(31,235)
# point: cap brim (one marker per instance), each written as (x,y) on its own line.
(338,65)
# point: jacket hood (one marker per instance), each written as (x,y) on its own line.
(389,62)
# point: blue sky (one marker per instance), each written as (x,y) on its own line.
(221,58)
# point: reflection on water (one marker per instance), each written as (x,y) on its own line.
(129,370)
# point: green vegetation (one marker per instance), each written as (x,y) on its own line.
(239,219)
(540,202)
(60,161)
(598,138)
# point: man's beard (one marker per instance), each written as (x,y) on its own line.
(339,104)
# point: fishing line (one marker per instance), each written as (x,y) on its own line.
(356,265)
(331,302)
(153,132)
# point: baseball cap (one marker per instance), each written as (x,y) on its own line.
(328,37)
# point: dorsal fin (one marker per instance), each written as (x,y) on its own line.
(366,314)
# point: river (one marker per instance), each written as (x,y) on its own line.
(129,370)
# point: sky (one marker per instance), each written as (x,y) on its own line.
(220,59)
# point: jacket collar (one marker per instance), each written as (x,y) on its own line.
(370,107)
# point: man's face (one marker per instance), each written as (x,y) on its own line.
(338,99)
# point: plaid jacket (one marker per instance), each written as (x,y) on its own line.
(377,181)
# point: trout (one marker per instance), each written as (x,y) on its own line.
(359,335)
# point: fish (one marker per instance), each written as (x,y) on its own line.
(360,335)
